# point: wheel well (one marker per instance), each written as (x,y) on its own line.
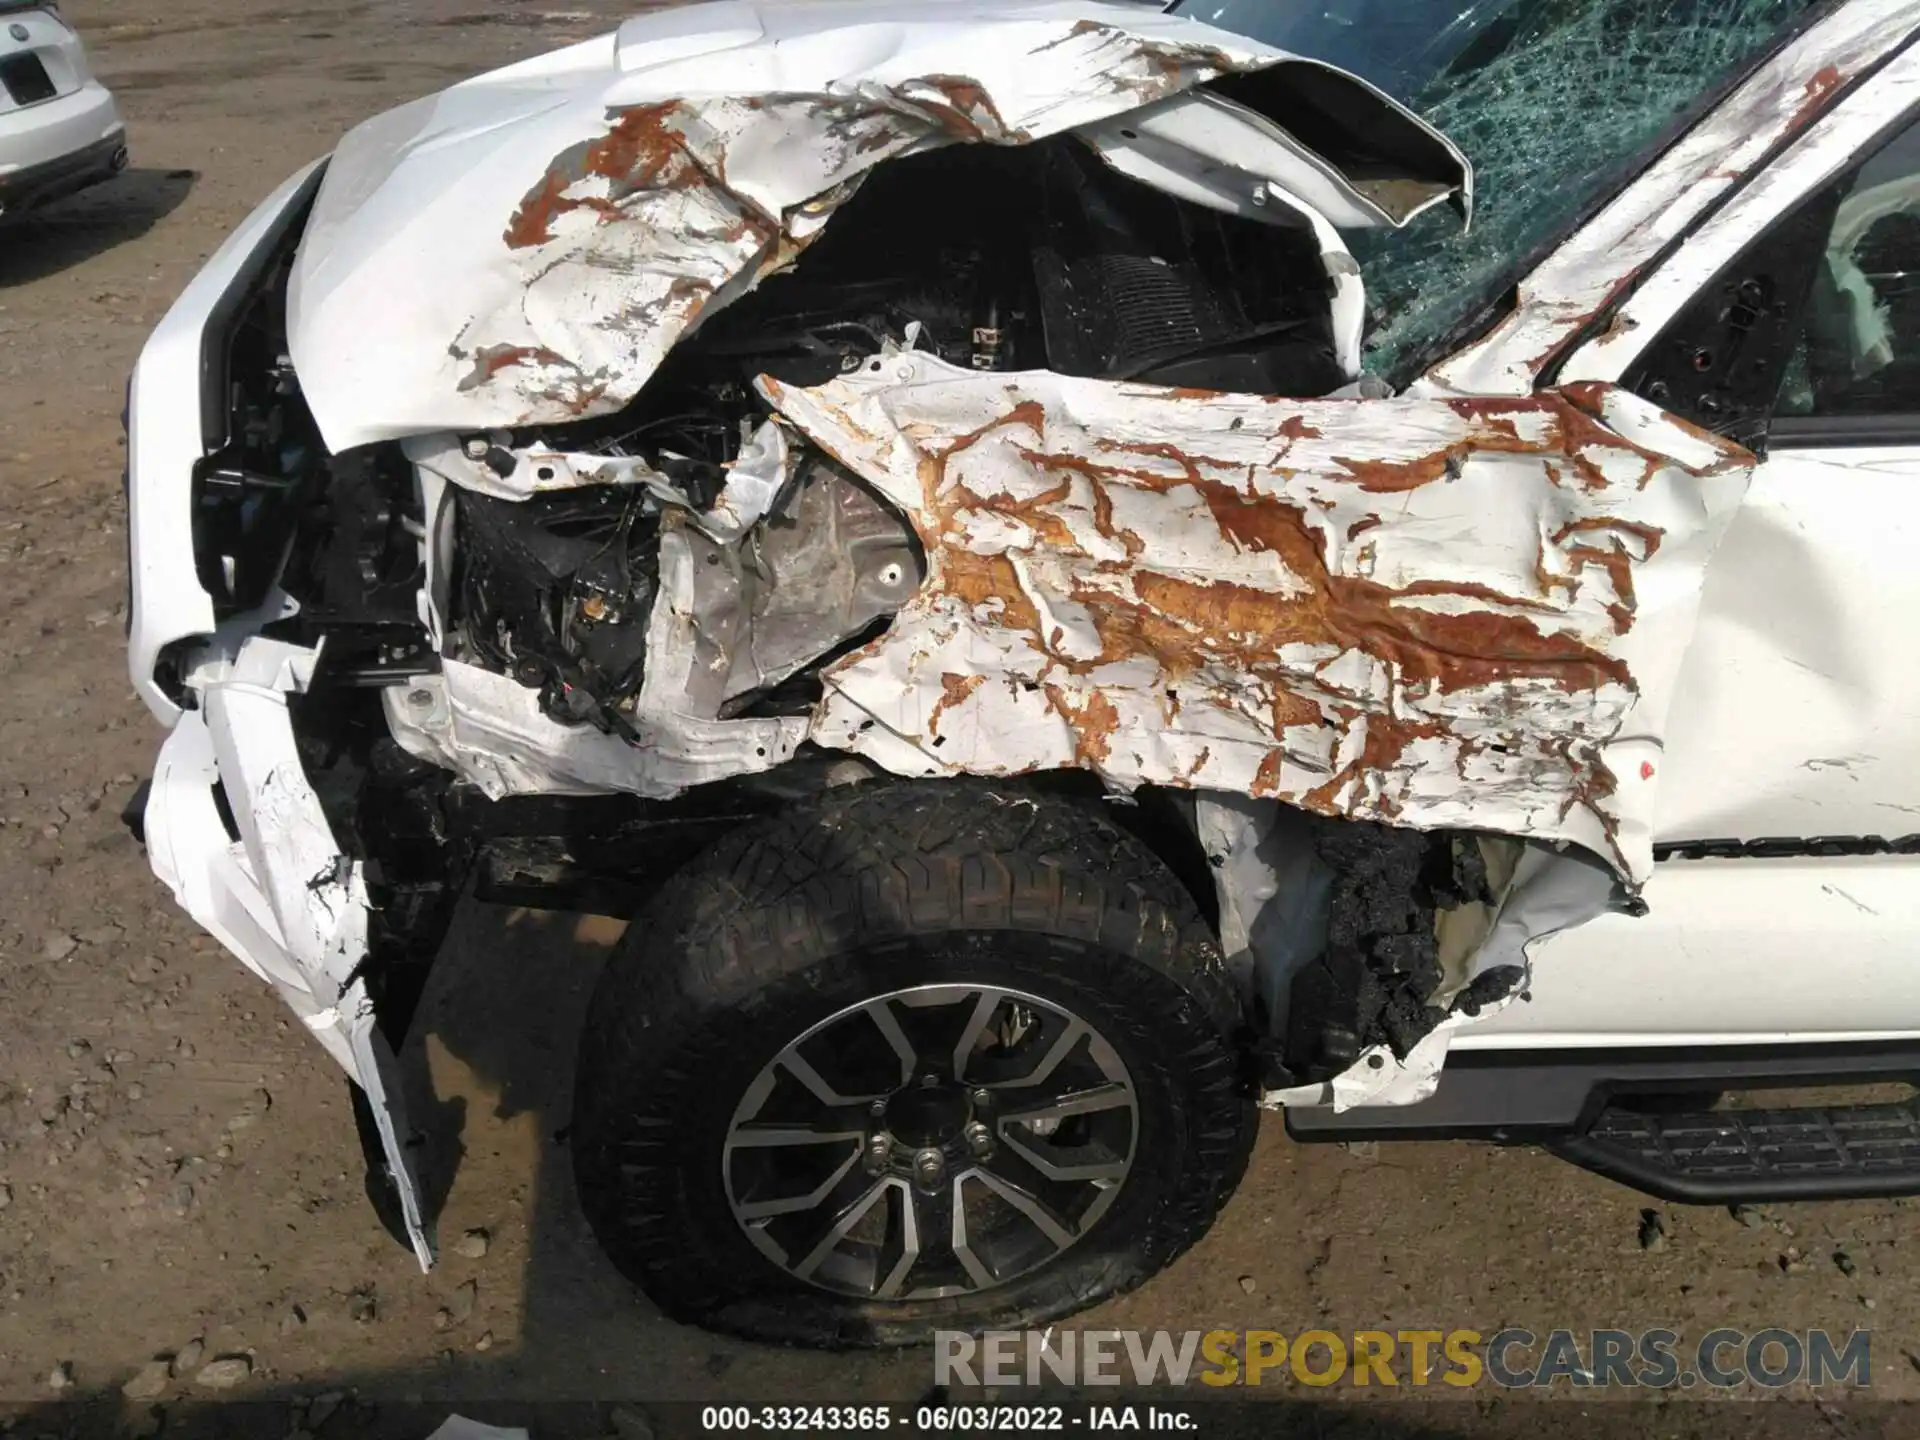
(608,854)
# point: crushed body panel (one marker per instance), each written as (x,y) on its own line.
(1433,613)
(281,895)
(527,247)
(1442,611)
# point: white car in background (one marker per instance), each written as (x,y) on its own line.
(59,128)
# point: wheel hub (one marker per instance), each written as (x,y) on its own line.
(930,1112)
(936,1141)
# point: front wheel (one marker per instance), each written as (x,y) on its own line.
(917,1056)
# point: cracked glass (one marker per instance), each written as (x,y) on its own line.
(1556,102)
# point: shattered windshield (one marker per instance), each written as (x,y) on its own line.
(1554,102)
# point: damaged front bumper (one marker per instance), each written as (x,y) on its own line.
(279,893)
(230,822)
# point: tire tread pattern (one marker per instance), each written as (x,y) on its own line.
(865,869)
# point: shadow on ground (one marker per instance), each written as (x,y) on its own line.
(69,232)
(582,1354)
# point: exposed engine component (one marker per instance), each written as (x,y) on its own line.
(555,591)
(1136,285)
(1127,283)
(817,574)
(559,591)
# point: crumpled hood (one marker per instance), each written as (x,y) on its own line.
(525,247)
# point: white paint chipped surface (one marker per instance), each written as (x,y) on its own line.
(1431,613)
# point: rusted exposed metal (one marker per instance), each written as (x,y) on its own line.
(1416,611)
(659,178)
(582,228)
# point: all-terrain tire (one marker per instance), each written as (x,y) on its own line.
(866,891)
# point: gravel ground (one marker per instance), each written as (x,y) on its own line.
(178,1170)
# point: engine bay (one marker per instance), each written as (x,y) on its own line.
(557,590)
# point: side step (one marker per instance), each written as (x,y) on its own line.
(1613,1112)
(1722,1156)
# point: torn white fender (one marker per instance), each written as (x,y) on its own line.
(525,248)
(1433,613)
(282,897)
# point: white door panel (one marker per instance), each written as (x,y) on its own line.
(1797,712)
(1731,952)
(1797,709)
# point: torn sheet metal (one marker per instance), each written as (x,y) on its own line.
(282,896)
(734,615)
(1551,890)
(1431,613)
(493,466)
(1244,155)
(526,247)
(1609,253)
(490,730)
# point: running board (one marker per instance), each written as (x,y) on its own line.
(1717,1157)
(1578,1104)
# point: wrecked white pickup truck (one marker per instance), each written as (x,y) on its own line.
(1069,589)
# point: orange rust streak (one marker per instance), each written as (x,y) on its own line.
(491,361)
(967,101)
(954,690)
(1385,744)
(532,223)
(1266,779)
(1032,511)
(1190,465)
(1614,559)
(1495,430)
(984,579)
(1200,628)
(640,151)
(1093,724)
(1030,413)
(1822,83)
(1184,625)
(1649,536)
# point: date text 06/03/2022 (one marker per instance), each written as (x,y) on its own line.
(943,1418)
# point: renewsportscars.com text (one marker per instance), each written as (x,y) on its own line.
(1513,1358)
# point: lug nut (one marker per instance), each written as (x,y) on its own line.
(879,1154)
(929,1165)
(877,1109)
(979,1140)
(982,1097)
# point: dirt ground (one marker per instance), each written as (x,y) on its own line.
(177,1163)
